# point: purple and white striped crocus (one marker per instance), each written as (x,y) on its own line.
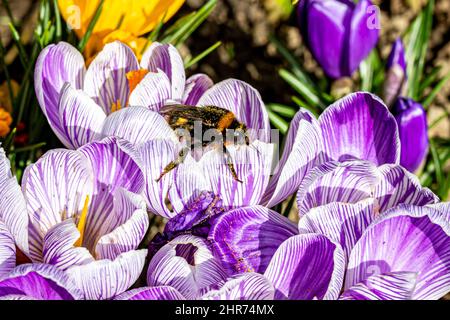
(77,101)
(81,106)
(372,231)
(38,282)
(185,268)
(86,215)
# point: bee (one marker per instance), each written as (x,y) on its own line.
(211,118)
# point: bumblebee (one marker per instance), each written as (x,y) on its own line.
(220,120)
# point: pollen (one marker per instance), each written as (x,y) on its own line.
(225,121)
(181,121)
(82,222)
(134,77)
(116,106)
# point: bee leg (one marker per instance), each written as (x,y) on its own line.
(230,164)
(173,164)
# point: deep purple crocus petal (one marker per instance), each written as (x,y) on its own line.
(186,264)
(115,165)
(363,33)
(397,56)
(106,80)
(406,238)
(136,125)
(59,249)
(152,92)
(306,267)
(412,124)
(245,102)
(246,238)
(302,151)
(253,165)
(13,208)
(55,188)
(80,117)
(390,286)
(196,86)
(398,186)
(40,282)
(349,182)
(7,251)
(396,74)
(151,293)
(165,57)
(247,286)
(324,26)
(360,126)
(344,223)
(56,65)
(104,279)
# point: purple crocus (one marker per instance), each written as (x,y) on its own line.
(38,282)
(85,215)
(261,231)
(339,33)
(396,76)
(412,123)
(185,268)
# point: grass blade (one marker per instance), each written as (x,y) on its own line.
(91,26)
(202,55)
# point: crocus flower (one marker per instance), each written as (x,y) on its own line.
(412,124)
(38,282)
(261,231)
(76,102)
(396,76)
(185,268)
(339,33)
(119,20)
(85,215)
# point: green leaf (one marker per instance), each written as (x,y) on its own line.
(278,121)
(91,26)
(435,91)
(22,52)
(417,44)
(202,55)
(284,110)
(57,20)
(304,105)
(302,88)
(430,78)
(368,69)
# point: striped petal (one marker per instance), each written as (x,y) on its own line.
(104,279)
(13,208)
(115,165)
(151,293)
(406,238)
(165,57)
(196,86)
(306,267)
(106,80)
(245,239)
(253,166)
(7,251)
(186,264)
(359,126)
(56,65)
(152,92)
(55,188)
(136,125)
(248,286)
(343,223)
(245,102)
(398,186)
(350,182)
(124,238)
(59,246)
(302,151)
(155,155)
(81,118)
(38,282)
(391,286)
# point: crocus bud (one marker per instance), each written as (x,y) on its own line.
(339,33)
(395,83)
(412,126)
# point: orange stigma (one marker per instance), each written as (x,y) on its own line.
(134,77)
(82,223)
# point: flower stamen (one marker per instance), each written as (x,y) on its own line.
(82,223)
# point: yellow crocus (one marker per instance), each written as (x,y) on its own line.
(6,106)
(124,20)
